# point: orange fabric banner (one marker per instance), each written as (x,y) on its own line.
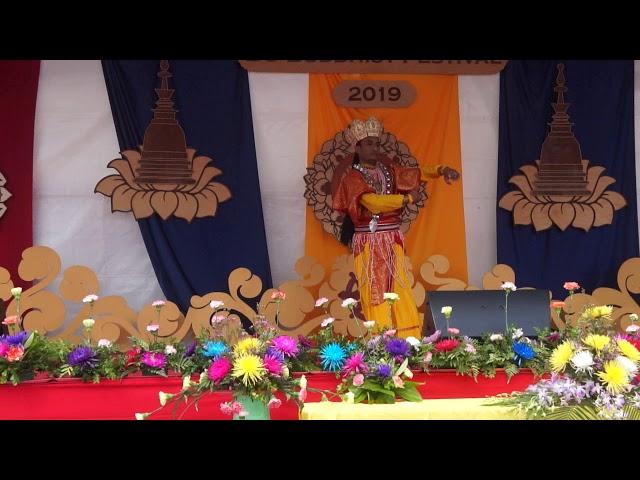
(430,127)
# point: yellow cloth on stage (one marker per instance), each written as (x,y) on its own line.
(406,319)
(440,409)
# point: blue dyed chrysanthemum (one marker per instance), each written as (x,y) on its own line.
(351,347)
(83,357)
(384,370)
(523,351)
(333,356)
(398,347)
(17,339)
(214,349)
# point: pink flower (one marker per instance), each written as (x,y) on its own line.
(219,369)
(215,304)
(397,381)
(571,286)
(302,395)
(321,301)
(278,295)
(237,408)
(103,342)
(273,365)
(358,380)
(226,408)
(4,348)
(469,348)
(355,364)
(217,319)
(632,328)
(12,320)
(453,331)
(286,345)
(389,333)
(15,353)
(274,402)
(327,321)
(158,303)
(154,327)
(557,304)
(427,358)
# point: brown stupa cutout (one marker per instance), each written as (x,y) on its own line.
(164,148)
(561,189)
(164,176)
(560,169)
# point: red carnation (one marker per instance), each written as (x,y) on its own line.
(447,345)
(132,355)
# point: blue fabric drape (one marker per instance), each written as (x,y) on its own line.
(602,111)
(214,109)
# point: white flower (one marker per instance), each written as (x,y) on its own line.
(141,416)
(164,397)
(446,310)
(88,322)
(495,337)
(508,286)
(158,303)
(628,364)
(170,350)
(215,304)
(16,291)
(349,302)
(408,373)
(369,324)
(327,321)
(186,382)
(321,301)
(582,361)
(517,333)
(303,382)
(632,328)
(350,397)
(285,371)
(391,296)
(90,298)
(413,341)
(154,327)
(103,342)
(633,317)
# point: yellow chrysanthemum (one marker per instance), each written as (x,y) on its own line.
(615,376)
(247,345)
(598,342)
(250,368)
(561,356)
(628,350)
(600,311)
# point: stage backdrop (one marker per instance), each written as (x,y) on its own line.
(549,252)
(214,110)
(430,127)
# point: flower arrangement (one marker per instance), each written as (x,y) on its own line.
(594,375)
(24,354)
(254,368)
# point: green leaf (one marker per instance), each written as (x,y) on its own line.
(29,340)
(374,387)
(409,393)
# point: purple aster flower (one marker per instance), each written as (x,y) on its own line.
(431,338)
(275,353)
(17,339)
(304,342)
(398,347)
(83,357)
(374,342)
(285,344)
(154,359)
(190,349)
(384,370)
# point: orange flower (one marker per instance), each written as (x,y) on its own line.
(278,295)
(12,320)
(15,353)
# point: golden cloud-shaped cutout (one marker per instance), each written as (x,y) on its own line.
(580,211)
(186,201)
